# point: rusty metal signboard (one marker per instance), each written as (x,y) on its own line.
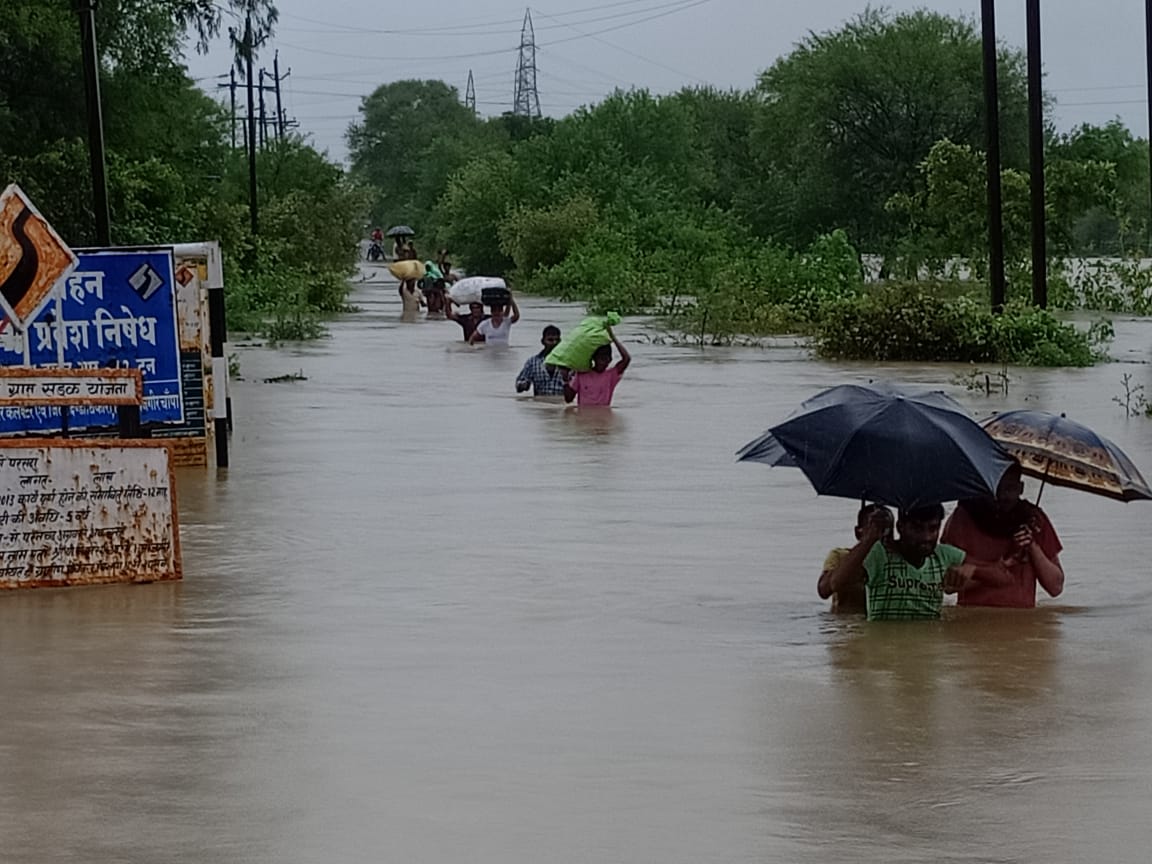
(87,513)
(27,387)
(32,257)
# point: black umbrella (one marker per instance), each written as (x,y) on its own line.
(400,231)
(881,443)
(767,451)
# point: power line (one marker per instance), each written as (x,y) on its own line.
(442,32)
(671,10)
(681,8)
(486,22)
(629,51)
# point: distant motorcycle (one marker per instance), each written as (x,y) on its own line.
(375,251)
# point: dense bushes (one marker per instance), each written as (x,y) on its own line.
(907,322)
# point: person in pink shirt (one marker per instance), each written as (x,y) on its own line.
(595,388)
(1015,538)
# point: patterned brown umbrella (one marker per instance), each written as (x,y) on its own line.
(1064,453)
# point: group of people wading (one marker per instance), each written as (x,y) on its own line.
(592,388)
(993,552)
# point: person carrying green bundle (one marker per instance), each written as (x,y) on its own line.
(595,387)
(576,349)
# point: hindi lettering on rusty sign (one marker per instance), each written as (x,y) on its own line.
(85,513)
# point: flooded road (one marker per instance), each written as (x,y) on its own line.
(426,621)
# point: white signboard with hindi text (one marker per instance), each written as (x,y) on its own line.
(87,513)
(69,387)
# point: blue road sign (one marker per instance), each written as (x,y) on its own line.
(116,309)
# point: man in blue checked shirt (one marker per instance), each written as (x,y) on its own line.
(543,379)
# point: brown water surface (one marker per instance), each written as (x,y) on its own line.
(426,621)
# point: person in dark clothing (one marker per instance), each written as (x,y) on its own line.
(468,322)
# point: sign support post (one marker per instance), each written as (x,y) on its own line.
(217,326)
(86,9)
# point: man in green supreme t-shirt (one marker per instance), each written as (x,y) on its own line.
(906,577)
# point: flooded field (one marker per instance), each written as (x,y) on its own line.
(425,620)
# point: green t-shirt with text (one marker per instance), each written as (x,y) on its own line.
(897,591)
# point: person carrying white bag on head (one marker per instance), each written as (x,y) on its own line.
(496,329)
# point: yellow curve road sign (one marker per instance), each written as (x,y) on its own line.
(32,257)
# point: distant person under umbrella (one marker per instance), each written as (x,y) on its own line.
(403,248)
(1012,537)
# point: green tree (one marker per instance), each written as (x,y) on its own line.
(851,113)
(723,122)
(400,135)
(1119,226)
(945,220)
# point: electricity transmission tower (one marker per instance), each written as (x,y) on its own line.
(526,100)
(470,94)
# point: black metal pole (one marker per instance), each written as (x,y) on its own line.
(217,335)
(1148,52)
(1036,158)
(263,114)
(86,9)
(128,420)
(232,87)
(279,105)
(253,207)
(992,143)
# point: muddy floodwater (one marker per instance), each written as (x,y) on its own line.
(424,620)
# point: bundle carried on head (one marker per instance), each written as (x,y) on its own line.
(404,270)
(576,349)
(471,289)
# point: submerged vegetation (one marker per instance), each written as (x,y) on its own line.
(733,213)
(840,198)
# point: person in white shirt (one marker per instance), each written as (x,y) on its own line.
(496,329)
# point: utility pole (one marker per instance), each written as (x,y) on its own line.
(992,139)
(231,85)
(526,98)
(1148,52)
(232,88)
(1036,158)
(279,105)
(249,48)
(86,9)
(263,116)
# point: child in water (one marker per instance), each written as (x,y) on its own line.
(595,388)
(852,599)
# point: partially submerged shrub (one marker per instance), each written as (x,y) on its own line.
(905,322)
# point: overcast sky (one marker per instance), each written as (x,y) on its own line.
(339,50)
